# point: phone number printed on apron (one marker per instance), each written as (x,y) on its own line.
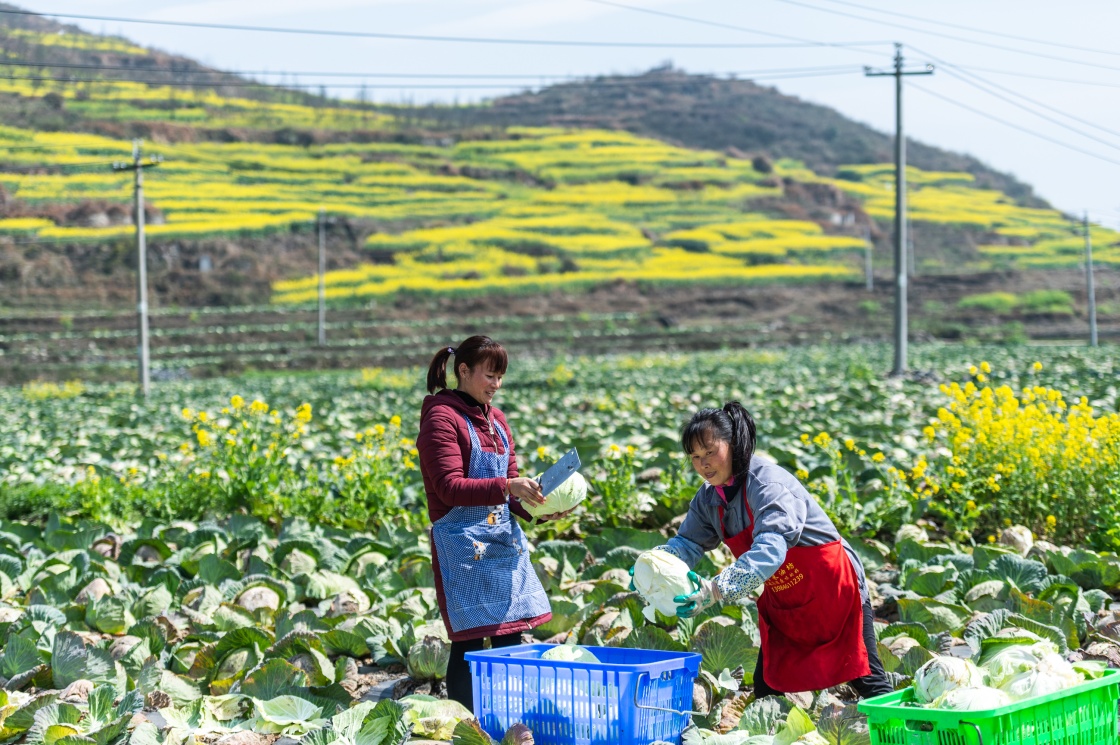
(785,578)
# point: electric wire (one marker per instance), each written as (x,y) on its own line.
(950,69)
(717,24)
(987,44)
(1012,125)
(305,87)
(963,27)
(442,76)
(1032,76)
(408,37)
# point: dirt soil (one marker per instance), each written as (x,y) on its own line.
(615,317)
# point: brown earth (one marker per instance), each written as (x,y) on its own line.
(617,317)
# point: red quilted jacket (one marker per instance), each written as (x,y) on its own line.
(444,445)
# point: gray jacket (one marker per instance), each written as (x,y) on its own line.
(785,515)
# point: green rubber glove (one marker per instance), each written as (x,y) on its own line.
(703,597)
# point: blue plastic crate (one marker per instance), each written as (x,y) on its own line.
(625,698)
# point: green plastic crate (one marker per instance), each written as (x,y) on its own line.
(1083,715)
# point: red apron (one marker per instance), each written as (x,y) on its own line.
(810,616)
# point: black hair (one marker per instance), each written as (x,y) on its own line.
(475,351)
(732,424)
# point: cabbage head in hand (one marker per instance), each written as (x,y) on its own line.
(659,577)
(564,497)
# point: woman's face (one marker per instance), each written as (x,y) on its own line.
(481,384)
(711,457)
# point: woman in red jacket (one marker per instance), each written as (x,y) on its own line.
(485,582)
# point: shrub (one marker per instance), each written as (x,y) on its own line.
(1027,458)
(1047,301)
(994,302)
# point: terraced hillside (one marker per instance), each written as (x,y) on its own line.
(572,221)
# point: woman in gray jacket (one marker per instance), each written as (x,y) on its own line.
(815,616)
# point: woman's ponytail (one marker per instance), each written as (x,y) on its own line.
(437,370)
(474,351)
(742,438)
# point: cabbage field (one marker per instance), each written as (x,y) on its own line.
(242,560)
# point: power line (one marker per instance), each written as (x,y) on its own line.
(408,37)
(987,44)
(949,68)
(442,76)
(717,24)
(972,29)
(1006,123)
(304,87)
(1014,73)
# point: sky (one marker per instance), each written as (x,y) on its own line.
(1030,87)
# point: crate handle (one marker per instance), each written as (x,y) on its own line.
(979,734)
(640,705)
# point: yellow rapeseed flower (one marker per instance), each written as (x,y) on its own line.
(187,413)
(801,474)
(985,367)
(258,407)
(878,457)
(1037,367)
(203,438)
(303,413)
(203,416)
(236,401)
(395,420)
(1051,522)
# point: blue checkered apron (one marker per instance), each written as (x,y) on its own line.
(488,578)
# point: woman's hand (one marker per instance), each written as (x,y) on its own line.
(526,490)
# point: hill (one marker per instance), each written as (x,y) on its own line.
(709,113)
(431,210)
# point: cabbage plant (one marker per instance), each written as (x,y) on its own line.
(428,658)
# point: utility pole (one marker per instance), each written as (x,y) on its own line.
(322,278)
(1089,282)
(868,248)
(900,272)
(137,169)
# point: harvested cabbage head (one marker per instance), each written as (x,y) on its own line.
(564,497)
(944,673)
(1009,662)
(972,698)
(659,576)
(1052,674)
(569,653)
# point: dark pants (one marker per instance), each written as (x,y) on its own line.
(873,684)
(459,682)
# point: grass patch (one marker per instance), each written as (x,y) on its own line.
(1047,301)
(993,302)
